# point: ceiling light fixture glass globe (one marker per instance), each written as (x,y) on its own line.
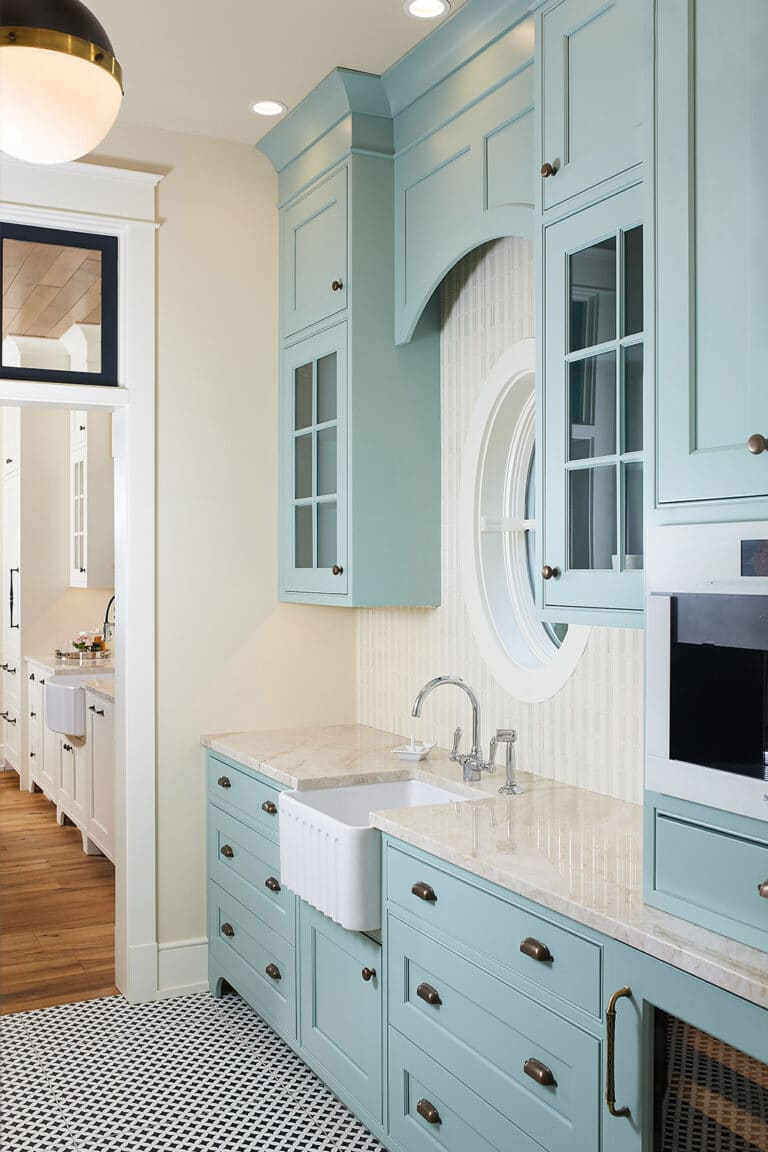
(60,84)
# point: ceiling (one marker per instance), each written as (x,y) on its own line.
(195,67)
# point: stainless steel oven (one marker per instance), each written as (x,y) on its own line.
(707,665)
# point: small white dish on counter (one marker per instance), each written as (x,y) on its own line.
(413,751)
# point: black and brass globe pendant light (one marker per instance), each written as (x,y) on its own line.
(60,84)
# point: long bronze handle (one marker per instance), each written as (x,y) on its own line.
(424,892)
(540,1073)
(273,972)
(536,950)
(428,1112)
(430,994)
(610,1062)
(269,807)
(272,884)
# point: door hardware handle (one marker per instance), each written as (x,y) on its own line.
(67,747)
(763,889)
(227,852)
(539,1072)
(337,285)
(227,930)
(269,807)
(548,170)
(757,444)
(368,974)
(4,715)
(99,711)
(273,972)
(91,707)
(430,994)
(424,892)
(33,715)
(224,782)
(337,570)
(272,883)
(549,573)
(536,950)
(13,721)
(11,596)
(428,1112)
(31,675)
(610,1061)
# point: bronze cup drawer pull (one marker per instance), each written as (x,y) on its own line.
(272,884)
(540,1073)
(429,994)
(227,851)
(269,807)
(536,950)
(368,974)
(610,1056)
(227,930)
(424,892)
(224,782)
(428,1112)
(273,972)
(763,889)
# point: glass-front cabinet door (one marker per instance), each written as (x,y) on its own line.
(593,408)
(314,465)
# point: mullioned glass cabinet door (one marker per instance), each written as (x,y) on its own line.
(314,465)
(593,408)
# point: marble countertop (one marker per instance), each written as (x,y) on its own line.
(68,668)
(104,689)
(575,852)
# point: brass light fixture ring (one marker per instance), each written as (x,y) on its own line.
(62,42)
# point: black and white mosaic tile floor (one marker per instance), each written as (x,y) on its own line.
(187,1075)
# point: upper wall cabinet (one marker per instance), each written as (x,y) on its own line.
(712,253)
(464,158)
(593,64)
(360,418)
(315,255)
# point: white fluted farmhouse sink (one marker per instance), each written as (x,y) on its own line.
(329,854)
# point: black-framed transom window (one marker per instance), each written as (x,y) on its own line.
(59,305)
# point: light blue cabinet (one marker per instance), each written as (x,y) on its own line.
(314,259)
(712,253)
(340,1026)
(360,418)
(591,416)
(594,66)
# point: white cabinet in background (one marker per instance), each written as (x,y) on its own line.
(100,741)
(35,720)
(91,502)
(73,794)
(11,440)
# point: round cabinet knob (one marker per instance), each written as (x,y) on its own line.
(273,972)
(368,974)
(337,570)
(337,285)
(227,852)
(550,573)
(269,807)
(228,930)
(224,782)
(757,444)
(548,170)
(763,889)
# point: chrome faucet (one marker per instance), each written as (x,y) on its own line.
(108,629)
(473,763)
(508,736)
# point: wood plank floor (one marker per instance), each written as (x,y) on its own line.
(57,908)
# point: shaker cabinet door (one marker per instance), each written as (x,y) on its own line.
(712,250)
(592,431)
(314,465)
(594,67)
(315,255)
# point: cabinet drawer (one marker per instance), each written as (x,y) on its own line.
(490,924)
(340,1023)
(246,864)
(712,876)
(315,255)
(246,947)
(243,794)
(485,1032)
(417,1085)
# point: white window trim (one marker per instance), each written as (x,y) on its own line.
(492,538)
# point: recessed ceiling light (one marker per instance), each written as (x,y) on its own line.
(268,108)
(426,9)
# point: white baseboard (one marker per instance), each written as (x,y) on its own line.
(182,968)
(138,983)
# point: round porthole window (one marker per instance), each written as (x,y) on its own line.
(530,659)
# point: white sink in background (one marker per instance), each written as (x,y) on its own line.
(329,854)
(65,707)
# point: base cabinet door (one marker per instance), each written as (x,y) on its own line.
(101,740)
(74,781)
(683,1059)
(340,1024)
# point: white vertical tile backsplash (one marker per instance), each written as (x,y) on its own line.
(590,733)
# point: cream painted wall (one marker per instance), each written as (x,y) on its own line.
(229,656)
(590,732)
